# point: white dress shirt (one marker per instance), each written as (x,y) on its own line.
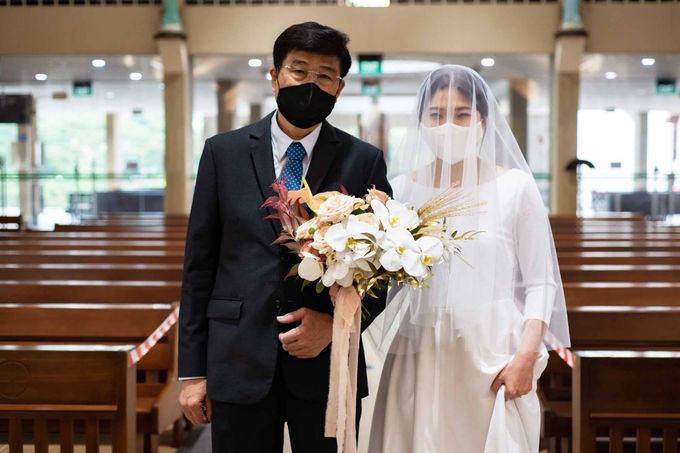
(280,144)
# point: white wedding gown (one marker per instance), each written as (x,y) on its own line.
(434,394)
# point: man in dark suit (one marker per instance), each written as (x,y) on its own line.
(254,348)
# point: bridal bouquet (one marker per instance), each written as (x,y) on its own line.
(355,245)
(365,242)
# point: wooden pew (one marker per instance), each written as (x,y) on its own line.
(157,387)
(615,392)
(617,273)
(650,310)
(618,257)
(8,222)
(587,225)
(600,217)
(622,293)
(599,327)
(92,256)
(94,235)
(138,215)
(111,270)
(83,244)
(120,228)
(616,246)
(622,230)
(590,226)
(133,222)
(160,272)
(611,237)
(88,291)
(136,219)
(40,384)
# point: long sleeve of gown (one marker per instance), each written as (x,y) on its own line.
(534,247)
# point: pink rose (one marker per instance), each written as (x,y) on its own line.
(375,194)
(336,209)
(307,229)
(320,243)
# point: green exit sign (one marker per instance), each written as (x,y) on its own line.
(370,64)
(82,88)
(666,87)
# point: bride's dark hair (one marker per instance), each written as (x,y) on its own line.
(468,84)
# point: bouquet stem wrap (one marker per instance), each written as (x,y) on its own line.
(342,393)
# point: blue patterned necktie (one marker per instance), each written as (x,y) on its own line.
(292,171)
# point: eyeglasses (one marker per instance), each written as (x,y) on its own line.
(324,79)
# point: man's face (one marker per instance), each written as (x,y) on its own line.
(301,67)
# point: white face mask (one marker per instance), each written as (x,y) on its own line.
(449,141)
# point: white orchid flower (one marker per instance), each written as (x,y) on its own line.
(311,267)
(352,234)
(397,244)
(395,215)
(431,251)
(339,271)
(414,256)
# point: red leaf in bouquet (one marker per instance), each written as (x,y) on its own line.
(282,209)
(287,222)
(281,194)
(292,246)
(279,187)
(270,201)
(293,271)
(282,239)
(300,211)
(275,203)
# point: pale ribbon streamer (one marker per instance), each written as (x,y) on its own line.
(342,391)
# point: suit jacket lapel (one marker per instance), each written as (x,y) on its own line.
(324,154)
(263,162)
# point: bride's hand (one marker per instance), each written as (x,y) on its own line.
(517,376)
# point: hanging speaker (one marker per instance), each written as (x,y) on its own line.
(16,108)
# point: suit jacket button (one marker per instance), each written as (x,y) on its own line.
(277,304)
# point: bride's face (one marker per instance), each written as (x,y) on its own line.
(450,106)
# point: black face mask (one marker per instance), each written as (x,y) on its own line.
(305,105)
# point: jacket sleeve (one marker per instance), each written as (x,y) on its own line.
(378,176)
(201,259)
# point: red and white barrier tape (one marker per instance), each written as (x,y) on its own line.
(143,348)
(564,352)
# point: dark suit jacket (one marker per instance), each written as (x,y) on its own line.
(233,286)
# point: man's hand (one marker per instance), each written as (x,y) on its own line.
(193,398)
(311,337)
(517,376)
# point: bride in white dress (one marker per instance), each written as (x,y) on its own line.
(462,357)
